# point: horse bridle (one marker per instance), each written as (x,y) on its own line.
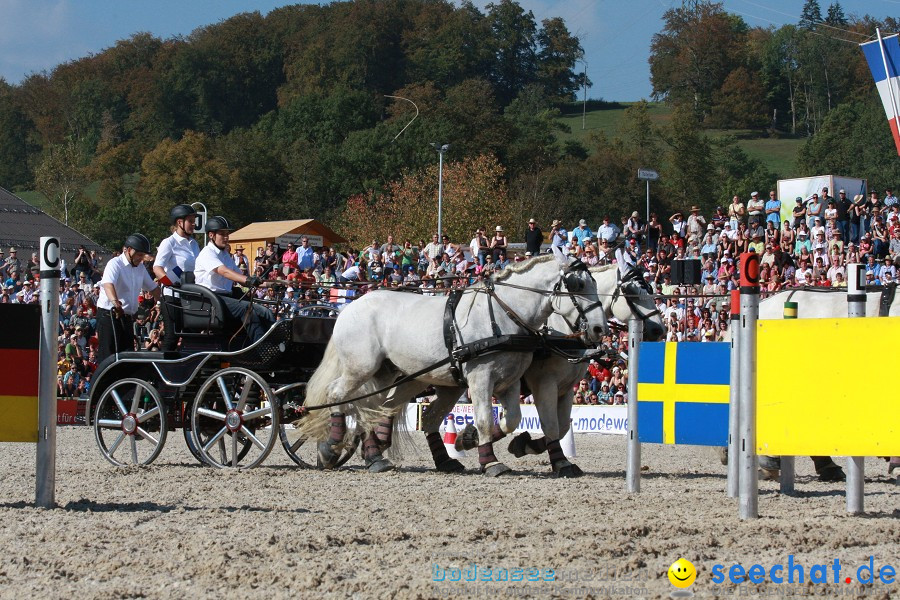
(581,323)
(634,277)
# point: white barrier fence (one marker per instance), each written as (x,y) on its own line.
(585,419)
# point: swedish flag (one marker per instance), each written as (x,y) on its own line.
(683,393)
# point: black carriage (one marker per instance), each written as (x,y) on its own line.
(232,405)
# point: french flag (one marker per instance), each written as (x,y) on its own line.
(883,56)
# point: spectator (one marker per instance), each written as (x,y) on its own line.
(736,212)
(755,209)
(696,225)
(534,237)
(582,232)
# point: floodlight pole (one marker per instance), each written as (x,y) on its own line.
(441,148)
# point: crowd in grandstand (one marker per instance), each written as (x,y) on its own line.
(812,248)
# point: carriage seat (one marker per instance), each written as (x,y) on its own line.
(201,310)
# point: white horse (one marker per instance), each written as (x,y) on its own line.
(385,336)
(551,377)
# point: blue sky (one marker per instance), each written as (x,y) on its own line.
(36,35)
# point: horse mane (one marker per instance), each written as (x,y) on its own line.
(523,267)
(602,268)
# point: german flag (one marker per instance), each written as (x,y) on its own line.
(20,361)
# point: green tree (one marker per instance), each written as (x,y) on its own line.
(181,172)
(694,53)
(513,34)
(556,58)
(811,15)
(15,131)
(836,16)
(739,103)
(60,176)
(689,175)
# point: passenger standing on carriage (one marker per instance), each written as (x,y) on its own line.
(175,256)
(123,279)
(215,270)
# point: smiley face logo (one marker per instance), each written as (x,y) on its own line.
(682,573)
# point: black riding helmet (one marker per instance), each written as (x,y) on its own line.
(138,242)
(181,211)
(218,223)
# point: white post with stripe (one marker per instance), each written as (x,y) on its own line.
(856,307)
(633,451)
(45,473)
(749,461)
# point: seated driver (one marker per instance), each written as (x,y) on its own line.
(215,270)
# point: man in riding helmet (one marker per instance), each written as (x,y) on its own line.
(215,269)
(123,279)
(175,258)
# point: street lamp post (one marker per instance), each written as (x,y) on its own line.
(441,148)
(584,93)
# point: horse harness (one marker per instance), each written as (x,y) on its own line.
(535,340)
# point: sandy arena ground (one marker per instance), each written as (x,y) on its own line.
(177,529)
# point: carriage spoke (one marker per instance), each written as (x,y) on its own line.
(149,414)
(110,423)
(255,414)
(147,436)
(214,439)
(118,400)
(136,399)
(296,445)
(234,451)
(253,438)
(134,456)
(226,395)
(245,393)
(205,412)
(115,446)
(223,458)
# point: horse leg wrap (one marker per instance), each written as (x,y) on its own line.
(436,445)
(375,462)
(497,433)
(486,454)
(555,451)
(337,429)
(384,431)
(371,448)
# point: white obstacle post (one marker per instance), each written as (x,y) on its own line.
(749,461)
(856,307)
(787,463)
(45,473)
(734,432)
(633,452)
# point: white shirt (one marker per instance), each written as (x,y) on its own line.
(177,251)
(128,282)
(209,259)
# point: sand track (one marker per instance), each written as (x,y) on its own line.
(178,529)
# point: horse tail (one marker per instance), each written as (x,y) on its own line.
(315,425)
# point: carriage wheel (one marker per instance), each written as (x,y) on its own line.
(130,423)
(305,454)
(233,421)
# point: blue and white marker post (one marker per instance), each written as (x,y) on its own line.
(856,307)
(633,451)
(45,474)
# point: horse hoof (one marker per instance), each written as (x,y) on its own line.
(518,447)
(381,465)
(450,466)
(327,457)
(467,439)
(832,473)
(769,474)
(723,454)
(566,469)
(496,470)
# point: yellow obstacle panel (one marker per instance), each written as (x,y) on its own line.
(826,387)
